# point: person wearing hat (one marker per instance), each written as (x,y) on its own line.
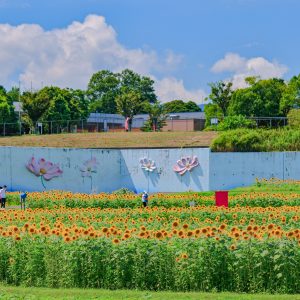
(145,198)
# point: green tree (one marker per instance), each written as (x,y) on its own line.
(181,106)
(103,88)
(40,106)
(2,91)
(212,111)
(221,93)
(58,109)
(290,96)
(157,116)
(58,113)
(129,104)
(192,107)
(13,95)
(261,99)
(143,85)
(77,103)
(35,104)
(294,118)
(7,114)
(6,111)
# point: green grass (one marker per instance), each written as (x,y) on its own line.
(278,187)
(9,292)
(113,140)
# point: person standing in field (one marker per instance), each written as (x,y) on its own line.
(3,196)
(23,196)
(145,199)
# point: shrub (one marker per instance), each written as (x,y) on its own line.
(250,140)
(235,122)
(123,191)
(294,118)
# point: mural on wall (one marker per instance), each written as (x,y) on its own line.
(185,164)
(43,169)
(89,167)
(147,164)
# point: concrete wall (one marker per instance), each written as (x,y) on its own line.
(115,169)
(229,170)
(121,168)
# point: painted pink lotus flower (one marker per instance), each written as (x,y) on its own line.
(44,169)
(185,164)
(147,164)
(89,167)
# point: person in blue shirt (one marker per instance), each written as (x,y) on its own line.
(23,196)
(145,198)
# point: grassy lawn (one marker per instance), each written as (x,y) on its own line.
(113,140)
(8,292)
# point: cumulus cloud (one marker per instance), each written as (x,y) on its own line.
(69,56)
(242,68)
(170,88)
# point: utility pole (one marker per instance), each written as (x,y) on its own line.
(19,99)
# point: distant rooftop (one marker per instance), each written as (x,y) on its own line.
(116,118)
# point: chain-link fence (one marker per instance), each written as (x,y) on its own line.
(117,125)
(259,122)
(60,126)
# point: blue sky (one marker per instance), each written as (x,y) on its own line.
(183,45)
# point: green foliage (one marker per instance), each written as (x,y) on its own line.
(124,198)
(77,103)
(294,118)
(34,106)
(123,191)
(259,266)
(291,95)
(157,117)
(58,109)
(143,85)
(176,106)
(2,91)
(53,103)
(220,95)
(129,103)
(13,95)
(102,90)
(7,114)
(105,87)
(261,99)
(212,111)
(249,140)
(235,122)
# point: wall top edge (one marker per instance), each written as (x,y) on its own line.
(126,148)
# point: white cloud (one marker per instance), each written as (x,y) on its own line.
(242,68)
(69,56)
(230,63)
(170,88)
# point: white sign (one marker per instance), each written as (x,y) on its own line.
(214,121)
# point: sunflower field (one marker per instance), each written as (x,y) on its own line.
(110,241)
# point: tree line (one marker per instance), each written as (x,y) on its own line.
(261,98)
(128,93)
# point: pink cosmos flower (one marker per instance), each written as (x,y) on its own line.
(187,163)
(89,167)
(43,168)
